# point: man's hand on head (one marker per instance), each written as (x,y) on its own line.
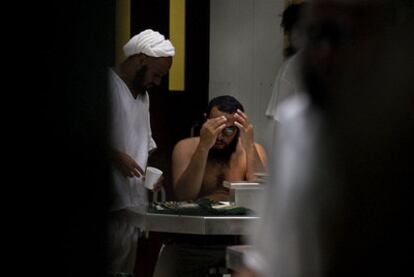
(210,129)
(246,129)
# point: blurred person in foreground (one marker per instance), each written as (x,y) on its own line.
(148,59)
(342,168)
(288,81)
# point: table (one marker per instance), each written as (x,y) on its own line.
(191,225)
(200,225)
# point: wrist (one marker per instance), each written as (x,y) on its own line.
(203,148)
(249,147)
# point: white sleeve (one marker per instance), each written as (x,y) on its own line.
(271,107)
(152,144)
(283,87)
(288,83)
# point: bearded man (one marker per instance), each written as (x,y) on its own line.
(225,150)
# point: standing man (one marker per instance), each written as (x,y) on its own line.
(225,150)
(148,59)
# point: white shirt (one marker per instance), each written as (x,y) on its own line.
(131,134)
(287,83)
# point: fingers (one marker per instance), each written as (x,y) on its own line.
(158,184)
(241,117)
(240,126)
(136,172)
(242,122)
(220,128)
(131,170)
(216,122)
(210,131)
(139,169)
(127,165)
(128,172)
(136,169)
(242,114)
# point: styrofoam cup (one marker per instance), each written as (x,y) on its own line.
(152,174)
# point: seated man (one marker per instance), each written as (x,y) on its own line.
(225,150)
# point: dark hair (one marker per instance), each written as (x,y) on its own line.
(291,16)
(224,103)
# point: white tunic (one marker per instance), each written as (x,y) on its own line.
(131,134)
(288,83)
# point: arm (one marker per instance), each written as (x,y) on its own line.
(124,163)
(190,159)
(256,160)
(188,170)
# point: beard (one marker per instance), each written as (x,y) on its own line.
(138,82)
(222,156)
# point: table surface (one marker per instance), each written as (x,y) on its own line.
(184,224)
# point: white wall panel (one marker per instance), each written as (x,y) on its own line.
(245,53)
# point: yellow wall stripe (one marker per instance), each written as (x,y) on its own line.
(177,37)
(122,27)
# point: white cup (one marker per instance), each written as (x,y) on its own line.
(152,175)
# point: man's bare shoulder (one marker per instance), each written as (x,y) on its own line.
(187,144)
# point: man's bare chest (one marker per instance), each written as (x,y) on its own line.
(215,174)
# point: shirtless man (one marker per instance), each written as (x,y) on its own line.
(225,150)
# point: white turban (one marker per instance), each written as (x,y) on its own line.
(150,43)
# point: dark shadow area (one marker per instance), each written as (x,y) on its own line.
(70,44)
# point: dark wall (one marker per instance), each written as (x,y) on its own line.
(173,112)
(68,48)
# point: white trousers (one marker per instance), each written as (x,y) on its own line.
(122,243)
